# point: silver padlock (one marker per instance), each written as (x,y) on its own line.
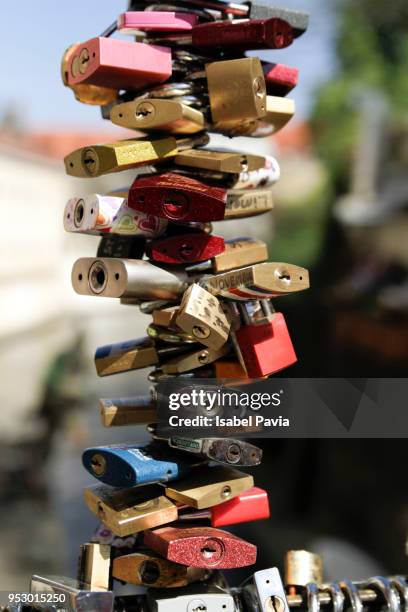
(194,598)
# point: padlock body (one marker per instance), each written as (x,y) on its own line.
(266,348)
(186,248)
(251,505)
(119,64)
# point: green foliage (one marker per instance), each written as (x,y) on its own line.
(372,51)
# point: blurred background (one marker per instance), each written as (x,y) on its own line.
(340,210)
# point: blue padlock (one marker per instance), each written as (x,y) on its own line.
(129,465)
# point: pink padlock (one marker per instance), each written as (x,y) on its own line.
(155,21)
(120,64)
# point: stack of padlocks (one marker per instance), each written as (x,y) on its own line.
(186,73)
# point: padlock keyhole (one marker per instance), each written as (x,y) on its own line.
(149,572)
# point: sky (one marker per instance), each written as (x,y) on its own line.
(33,36)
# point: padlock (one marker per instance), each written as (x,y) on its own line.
(238,252)
(171,336)
(121,278)
(278,111)
(96,160)
(132,22)
(209,487)
(68,592)
(121,247)
(119,64)
(128,465)
(298,20)
(221,450)
(180,198)
(94,565)
(165,317)
(265,592)
(127,411)
(266,176)
(236,89)
(220,160)
(243,35)
(150,570)
(129,511)
(260,281)
(205,547)
(86,93)
(193,360)
(264,344)
(185,248)
(252,505)
(98,215)
(227,368)
(201,316)
(133,355)
(207,598)
(153,114)
(302,567)
(280,79)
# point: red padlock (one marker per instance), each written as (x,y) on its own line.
(279,79)
(186,248)
(201,547)
(264,344)
(251,505)
(110,62)
(246,34)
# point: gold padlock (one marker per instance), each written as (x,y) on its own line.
(220,161)
(201,316)
(154,114)
(238,253)
(148,569)
(128,511)
(247,202)
(192,361)
(209,487)
(279,111)
(94,565)
(127,411)
(236,89)
(96,160)
(303,567)
(260,281)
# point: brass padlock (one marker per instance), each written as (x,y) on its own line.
(279,111)
(209,487)
(247,202)
(94,565)
(201,316)
(96,160)
(163,115)
(193,360)
(128,511)
(237,89)
(147,569)
(238,252)
(220,161)
(260,281)
(127,411)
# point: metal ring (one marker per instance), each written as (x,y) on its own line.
(384,586)
(400,584)
(336,594)
(312,597)
(352,595)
